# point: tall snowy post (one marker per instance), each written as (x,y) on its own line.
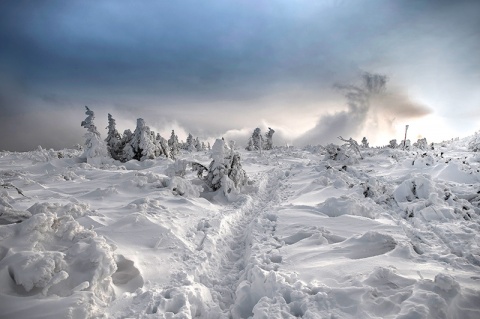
(405,139)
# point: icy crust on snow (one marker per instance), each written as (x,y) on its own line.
(393,235)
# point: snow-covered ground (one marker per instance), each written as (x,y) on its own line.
(395,235)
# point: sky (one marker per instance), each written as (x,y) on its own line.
(221,68)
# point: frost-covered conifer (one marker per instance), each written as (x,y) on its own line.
(255,142)
(225,170)
(113,139)
(198,145)
(204,147)
(268,139)
(173,145)
(257,139)
(94,145)
(141,146)
(190,145)
(365,142)
(162,145)
(208,146)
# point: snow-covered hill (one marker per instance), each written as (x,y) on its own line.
(395,235)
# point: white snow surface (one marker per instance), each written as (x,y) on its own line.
(395,235)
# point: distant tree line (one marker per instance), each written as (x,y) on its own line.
(143,143)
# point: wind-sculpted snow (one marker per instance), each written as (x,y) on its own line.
(393,235)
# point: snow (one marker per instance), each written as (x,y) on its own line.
(395,235)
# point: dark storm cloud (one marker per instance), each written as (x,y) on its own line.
(181,59)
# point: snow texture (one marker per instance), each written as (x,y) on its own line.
(395,235)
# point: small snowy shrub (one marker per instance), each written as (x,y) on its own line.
(335,152)
(421,144)
(393,144)
(365,142)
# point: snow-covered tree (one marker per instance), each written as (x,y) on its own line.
(365,142)
(162,146)
(198,145)
(190,144)
(225,170)
(141,146)
(113,140)
(173,145)
(255,143)
(94,145)
(474,144)
(268,139)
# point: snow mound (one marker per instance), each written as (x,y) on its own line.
(334,207)
(50,257)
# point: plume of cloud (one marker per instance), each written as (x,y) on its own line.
(371,109)
(348,122)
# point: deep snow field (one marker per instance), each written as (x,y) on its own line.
(395,235)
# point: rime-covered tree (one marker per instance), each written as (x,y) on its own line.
(190,144)
(198,145)
(173,145)
(268,139)
(255,142)
(474,144)
(94,145)
(225,170)
(365,142)
(113,140)
(162,145)
(141,146)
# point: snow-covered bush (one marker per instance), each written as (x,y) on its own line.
(113,140)
(225,171)
(393,143)
(141,146)
(352,145)
(474,144)
(421,144)
(335,152)
(94,145)
(365,142)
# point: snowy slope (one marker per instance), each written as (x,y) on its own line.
(395,235)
